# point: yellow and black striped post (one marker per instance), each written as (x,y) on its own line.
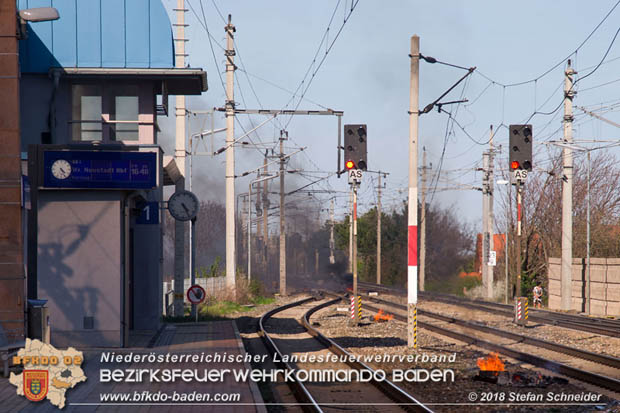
(526,310)
(359,307)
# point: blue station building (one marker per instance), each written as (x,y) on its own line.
(92,86)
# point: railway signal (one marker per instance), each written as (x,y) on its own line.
(355,146)
(355,163)
(520,147)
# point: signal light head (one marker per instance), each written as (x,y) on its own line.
(514,165)
(349,165)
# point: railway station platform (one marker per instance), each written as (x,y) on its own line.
(214,346)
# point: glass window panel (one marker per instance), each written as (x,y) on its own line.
(126,109)
(87,105)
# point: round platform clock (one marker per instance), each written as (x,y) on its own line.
(61,169)
(183,205)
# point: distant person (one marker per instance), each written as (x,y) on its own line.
(537,292)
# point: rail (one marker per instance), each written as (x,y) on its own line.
(585,376)
(301,392)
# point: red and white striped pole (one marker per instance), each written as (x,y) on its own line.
(353,307)
(519,218)
(412,243)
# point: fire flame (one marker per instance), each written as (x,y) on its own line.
(381,316)
(491,363)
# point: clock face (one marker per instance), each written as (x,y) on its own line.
(183,205)
(61,169)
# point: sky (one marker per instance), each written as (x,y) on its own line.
(519,50)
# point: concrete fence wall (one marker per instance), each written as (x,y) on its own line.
(213,286)
(604,285)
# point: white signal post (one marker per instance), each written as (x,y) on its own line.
(412,230)
(356,319)
(355,178)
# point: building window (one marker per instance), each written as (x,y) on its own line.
(87,111)
(124,111)
(105,113)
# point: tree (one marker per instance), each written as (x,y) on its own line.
(449,244)
(210,241)
(542,215)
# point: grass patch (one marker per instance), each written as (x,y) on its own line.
(454,285)
(227,305)
(263,300)
(219,309)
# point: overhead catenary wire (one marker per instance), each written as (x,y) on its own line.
(546,72)
(354,4)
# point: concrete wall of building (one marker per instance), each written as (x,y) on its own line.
(604,288)
(79,265)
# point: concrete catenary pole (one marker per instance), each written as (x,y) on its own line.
(283,136)
(412,250)
(588,235)
(179,155)
(230,158)
(484,259)
(379,230)
(490,274)
(332,244)
(316,262)
(265,215)
(422,266)
(250,231)
(567,191)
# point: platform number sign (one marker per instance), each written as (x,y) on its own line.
(149,214)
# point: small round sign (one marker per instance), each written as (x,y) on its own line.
(196,294)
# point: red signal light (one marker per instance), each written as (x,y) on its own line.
(349,165)
(514,165)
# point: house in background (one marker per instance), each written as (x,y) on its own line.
(89,91)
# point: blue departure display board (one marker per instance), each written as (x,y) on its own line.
(102,169)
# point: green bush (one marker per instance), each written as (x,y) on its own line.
(213,270)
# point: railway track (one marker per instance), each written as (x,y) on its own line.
(594,325)
(470,331)
(284,336)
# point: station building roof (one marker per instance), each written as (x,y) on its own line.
(126,35)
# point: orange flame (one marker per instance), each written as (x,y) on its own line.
(381,316)
(491,363)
